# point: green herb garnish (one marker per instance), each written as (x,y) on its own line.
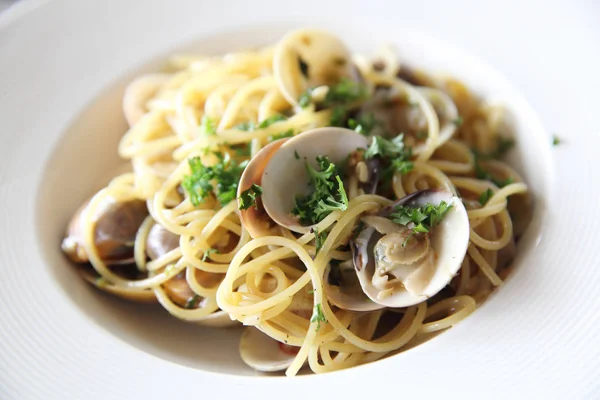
(296,155)
(338,116)
(251,126)
(208,252)
(318,316)
(220,179)
(364,125)
(555,140)
(346,91)
(319,239)
(208,126)
(503,146)
(420,219)
(248,197)
(483,174)
(328,193)
(305,99)
(392,154)
(192,301)
(458,121)
(288,133)
(485,197)
(422,135)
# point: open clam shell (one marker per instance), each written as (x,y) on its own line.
(415,277)
(285,176)
(264,353)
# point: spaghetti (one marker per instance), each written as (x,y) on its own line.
(172,230)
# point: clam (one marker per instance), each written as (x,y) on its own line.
(139,296)
(395,116)
(254,219)
(159,242)
(116,225)
(397,268)
(263,353)
(310,58)
(138,93)
(284,175)
(344,290)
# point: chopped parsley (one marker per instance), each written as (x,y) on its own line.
(386,148)
(328,193)
(242,150)
(503,146)
(318,316)
(481,173)
(319,239)
(364,125)
(251,126)
(392,154)
(191,303)
(208,252)
(485,197)
(422,135)
(288,133)
(208,126)
(346,91)
(338,116)
(305,99)
(296,155)
(555,140)
(303,67)
(420,219)
(458,121)
(220,179)
(248,197)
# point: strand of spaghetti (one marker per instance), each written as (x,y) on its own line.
(459,307)
(502,241)
(139,247)
(484,266)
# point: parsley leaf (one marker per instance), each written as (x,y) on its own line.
(503,145)
(481,173)
(338,116)
(485,197)
(420,219)
(386,148)
(208,252)
(346,91)
(364,125)
(328,195)
(458,121)
(318,316)
(296,155)
(392,154)
(422,135)
(251,126)
(319,239)
(192,301)
(555,140)
(248,197)
(221,179)
(305,99)
(208,126)
(288,133)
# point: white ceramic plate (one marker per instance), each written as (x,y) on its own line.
(63,66)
